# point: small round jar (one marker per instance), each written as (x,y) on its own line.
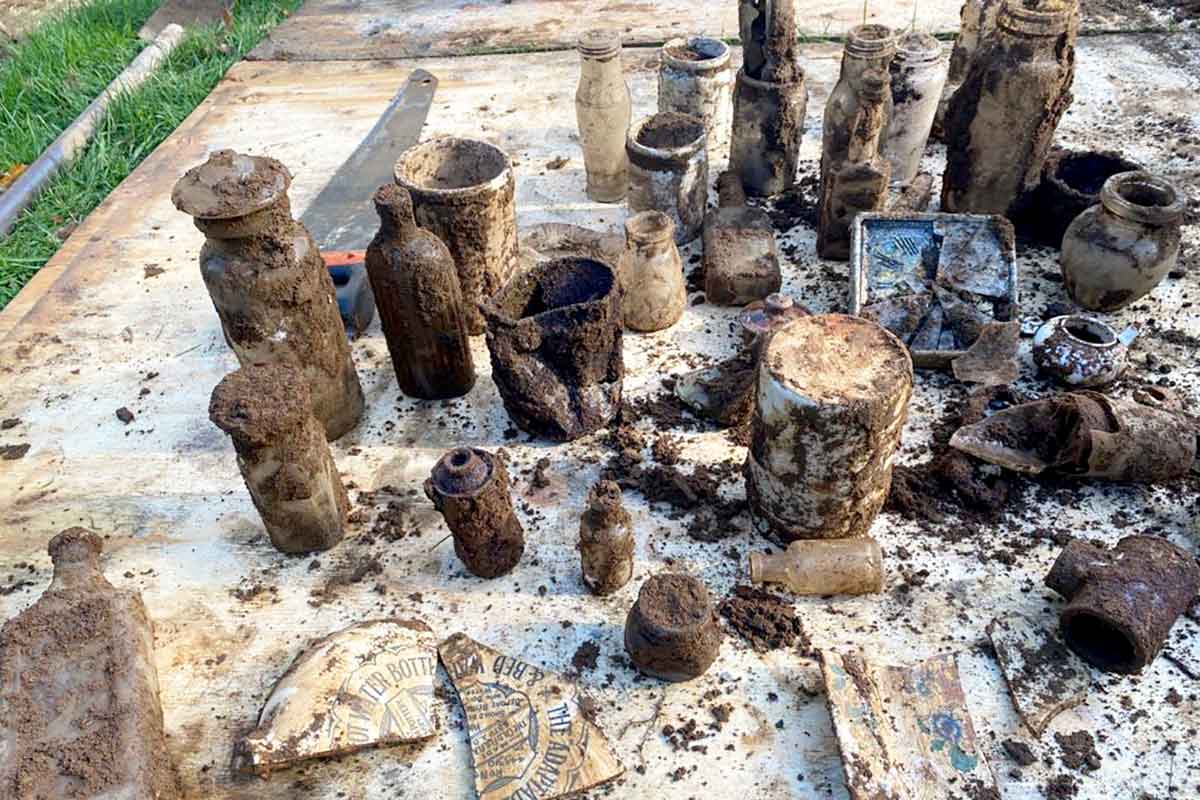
(1081,352)
(653,290)
(1117,252)
(695,77)
(668,170)
(672,632)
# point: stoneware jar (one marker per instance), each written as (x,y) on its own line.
(695,77)
(1116,252)
(651,274)
(1081,352)
(668,170)
(918,75)
(463,193)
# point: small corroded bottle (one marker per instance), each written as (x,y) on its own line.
(918,75)
(79,688)
(1001,122)
(861,183)
(420,302)
(654,294)
(267,410)
(606,540)
(603,110)
(869,48)
(470,487)
(267,280)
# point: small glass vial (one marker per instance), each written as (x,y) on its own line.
(603,110)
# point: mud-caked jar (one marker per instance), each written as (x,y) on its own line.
(651,271)
(918,75)
(668,170)
(1118,251)
(868,48)
(1000,124)
(695,77)
(603,111)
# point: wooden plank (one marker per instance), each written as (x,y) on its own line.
(166,492)
(333,29)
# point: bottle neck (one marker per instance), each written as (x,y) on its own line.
(769,568)
(272,221)
(600,68)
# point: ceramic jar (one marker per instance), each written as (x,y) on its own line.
(603,111)
(918,76)
(1117,252)
(668,170)
(651,271)
(1081,352)
(695,77)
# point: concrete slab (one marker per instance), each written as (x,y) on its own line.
(102,324)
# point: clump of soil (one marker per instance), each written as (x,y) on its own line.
(125,415)
(12,452)
(1019,752)
(585,657)
(765,620)
(1078,751)
(355,572)
(1061,787)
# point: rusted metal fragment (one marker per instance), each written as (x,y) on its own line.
(528,730)
(904,732)
(1122,602)
(992,359)
(1084,434)
(1043,676)
(368,685)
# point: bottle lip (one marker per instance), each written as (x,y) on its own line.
(919,48)
(696,130)
(1142,197)
(870,41)
(599,42)
(1015,17)
(650,226)
(712,54)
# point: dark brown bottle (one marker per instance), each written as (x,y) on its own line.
(420,302)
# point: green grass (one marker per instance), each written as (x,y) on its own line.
(61,67)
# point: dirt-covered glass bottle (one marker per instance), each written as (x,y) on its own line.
(603,110)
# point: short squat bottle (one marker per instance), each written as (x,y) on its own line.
(654,292)
(1118,251)
(603,110)
(420,302)
(1001,122)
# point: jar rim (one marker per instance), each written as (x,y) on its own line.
(870,41)
(1142,197)
(1015,17)
(703,62)
(676,152)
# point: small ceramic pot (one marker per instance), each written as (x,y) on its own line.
(668,170)
(1081,352)
(1118,251)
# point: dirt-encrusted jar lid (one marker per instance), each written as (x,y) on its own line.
(230,185)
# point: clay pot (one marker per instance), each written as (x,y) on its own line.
(463,193)
(652,284)
(1081,352)
(1071,184)
(695,78)
(668,170)
(554,334)
(1117,252)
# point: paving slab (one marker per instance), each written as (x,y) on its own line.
(120,318)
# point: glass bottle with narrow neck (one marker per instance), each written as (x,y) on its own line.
(869,48)
(603,110)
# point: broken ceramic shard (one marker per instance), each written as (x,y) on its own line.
(529,735)
(1117,252)
(723,393)
(549,241)
(463,193)
(366,686)
(1121,603)
(1042,675)
(1085,435)
(992,358)
(1080,351)
(268,283)
(905,732)
(741,257)
(554,334)
(79,689)
(933,280)
(839,566)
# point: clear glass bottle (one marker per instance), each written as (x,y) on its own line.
(1001,122)
(603,110)
(822,567)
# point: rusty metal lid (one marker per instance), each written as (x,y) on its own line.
(462,471)
(230,185)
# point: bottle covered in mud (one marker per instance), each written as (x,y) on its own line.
(869,48)
(603,110)
(420,302)
(861,183)
(606,540)
(1000,123)
(470,487)
(79,688)
(654,294)
(267,280)
(918,74)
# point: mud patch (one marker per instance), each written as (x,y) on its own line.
(765,620)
